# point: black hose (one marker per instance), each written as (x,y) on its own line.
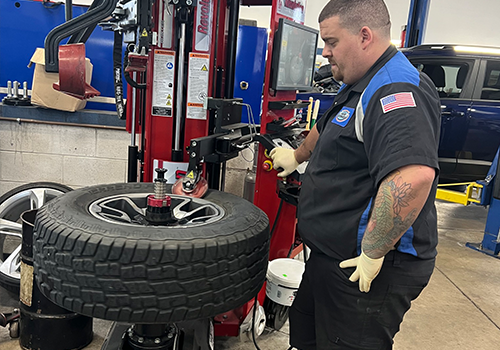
(117,74)
(277,217)
(290,251)
(253,322)
(133,83)
(69,10)
(129,80)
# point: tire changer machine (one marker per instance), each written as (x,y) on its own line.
(179,66)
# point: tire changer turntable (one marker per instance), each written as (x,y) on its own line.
(184,124)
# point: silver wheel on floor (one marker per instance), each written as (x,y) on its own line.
(12,205)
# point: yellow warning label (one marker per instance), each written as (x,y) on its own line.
(162,52)
(144,32)
(190,175)
(198,55)
(204,68)
(169,103)
(169,97)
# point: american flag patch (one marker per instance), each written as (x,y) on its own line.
(399,100)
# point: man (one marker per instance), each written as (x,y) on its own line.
(366,206)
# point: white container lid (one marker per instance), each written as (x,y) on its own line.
(286,272)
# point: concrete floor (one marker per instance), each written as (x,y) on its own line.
(460,309)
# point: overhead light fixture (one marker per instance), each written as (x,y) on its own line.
(396,42)
(472,49)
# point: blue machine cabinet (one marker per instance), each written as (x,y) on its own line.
(250,67)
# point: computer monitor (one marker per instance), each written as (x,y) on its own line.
(294,56)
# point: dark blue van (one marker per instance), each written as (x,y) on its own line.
(468,81)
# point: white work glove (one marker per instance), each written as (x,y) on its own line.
(366,270)
(284,158)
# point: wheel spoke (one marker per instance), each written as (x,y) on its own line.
(10,266)
(199,219)
(10,227)
(38,197)
(180,214)
(113,213)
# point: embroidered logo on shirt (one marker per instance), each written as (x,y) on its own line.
(342,117)
(396,101)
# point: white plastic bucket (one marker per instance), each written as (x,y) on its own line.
(283,280)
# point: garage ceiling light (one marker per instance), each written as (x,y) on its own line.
(396,42)
(472,49)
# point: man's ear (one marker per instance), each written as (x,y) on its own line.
(366,35)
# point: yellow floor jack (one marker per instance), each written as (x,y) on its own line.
(485,193)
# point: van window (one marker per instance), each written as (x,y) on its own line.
(491,85)
(448,78)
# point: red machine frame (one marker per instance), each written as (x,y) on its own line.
(157,131)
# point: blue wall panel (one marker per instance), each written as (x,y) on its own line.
(24,24)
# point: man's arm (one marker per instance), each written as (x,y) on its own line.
(305,149)
(400,198)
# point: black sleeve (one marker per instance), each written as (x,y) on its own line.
(402,136)
(320,124)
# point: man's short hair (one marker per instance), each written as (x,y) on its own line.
(355,14)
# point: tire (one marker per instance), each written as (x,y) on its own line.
(12,204)
(148,274)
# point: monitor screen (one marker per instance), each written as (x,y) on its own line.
(294,56)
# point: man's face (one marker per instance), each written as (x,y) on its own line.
(342,49)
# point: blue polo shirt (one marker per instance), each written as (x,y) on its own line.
(385,121)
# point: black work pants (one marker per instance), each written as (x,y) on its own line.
(329,311)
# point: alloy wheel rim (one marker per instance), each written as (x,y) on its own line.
(28,199)
(130,209)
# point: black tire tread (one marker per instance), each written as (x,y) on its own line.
(144,279)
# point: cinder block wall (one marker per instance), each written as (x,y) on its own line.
(76,156)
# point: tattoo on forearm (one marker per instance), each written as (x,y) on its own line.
(401,193)
(386,225)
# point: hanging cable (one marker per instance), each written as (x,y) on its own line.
(304,250)
(290,251)
(251,124)
(276,219)
(253,321)
(253,156)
